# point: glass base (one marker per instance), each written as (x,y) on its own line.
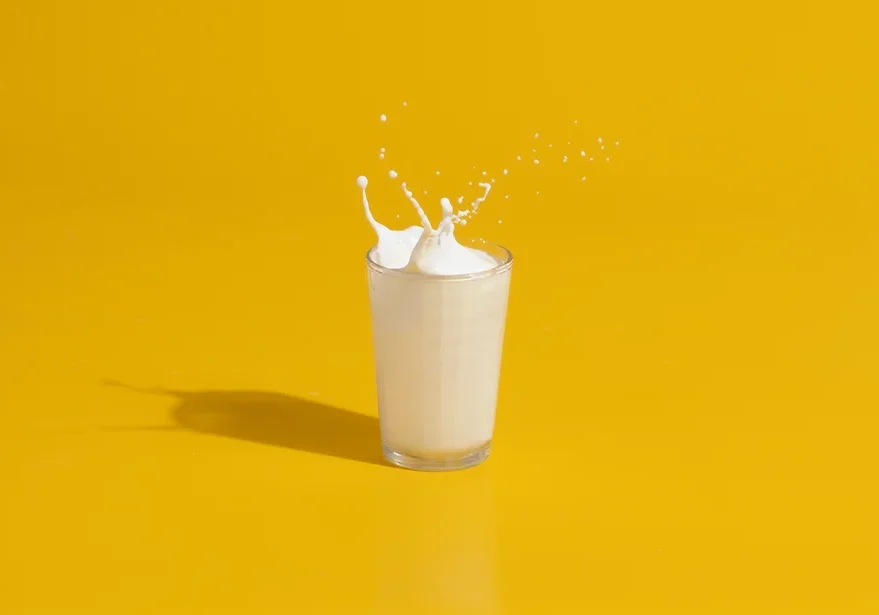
(436,463)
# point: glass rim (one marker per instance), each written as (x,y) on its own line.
(506,263)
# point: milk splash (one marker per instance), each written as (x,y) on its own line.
(425,249)
(436,251)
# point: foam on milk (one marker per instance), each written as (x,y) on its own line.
(425,249)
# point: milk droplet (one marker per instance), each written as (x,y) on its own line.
(484,173)
(469,183)
(602,147)
(392,174)
(405,104)
(536,161)
(362,182)
(505,171)
(607,159)
(538,192)
(564,158)
(617,143)
(582,179)
(536,135)
(569,142)
(590,159)
(582,153)
(492,180)
(500,221)
(381,149)
(550,144)
(575,121)
(381,156)
(506,196)
(437,172)
(518,158)
(460,200)
(383,117)
(599,139)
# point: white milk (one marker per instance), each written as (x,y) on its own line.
(438,316)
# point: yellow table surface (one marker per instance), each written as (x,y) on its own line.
(687,418)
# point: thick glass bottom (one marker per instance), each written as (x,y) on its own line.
(438,462)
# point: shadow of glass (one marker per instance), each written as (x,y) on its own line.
(275,419)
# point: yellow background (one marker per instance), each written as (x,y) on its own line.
(687,416)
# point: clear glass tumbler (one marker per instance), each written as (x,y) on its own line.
(438,342)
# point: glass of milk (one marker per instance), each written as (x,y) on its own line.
(438,341)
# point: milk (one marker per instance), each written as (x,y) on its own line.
(438,316)
(423,249)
